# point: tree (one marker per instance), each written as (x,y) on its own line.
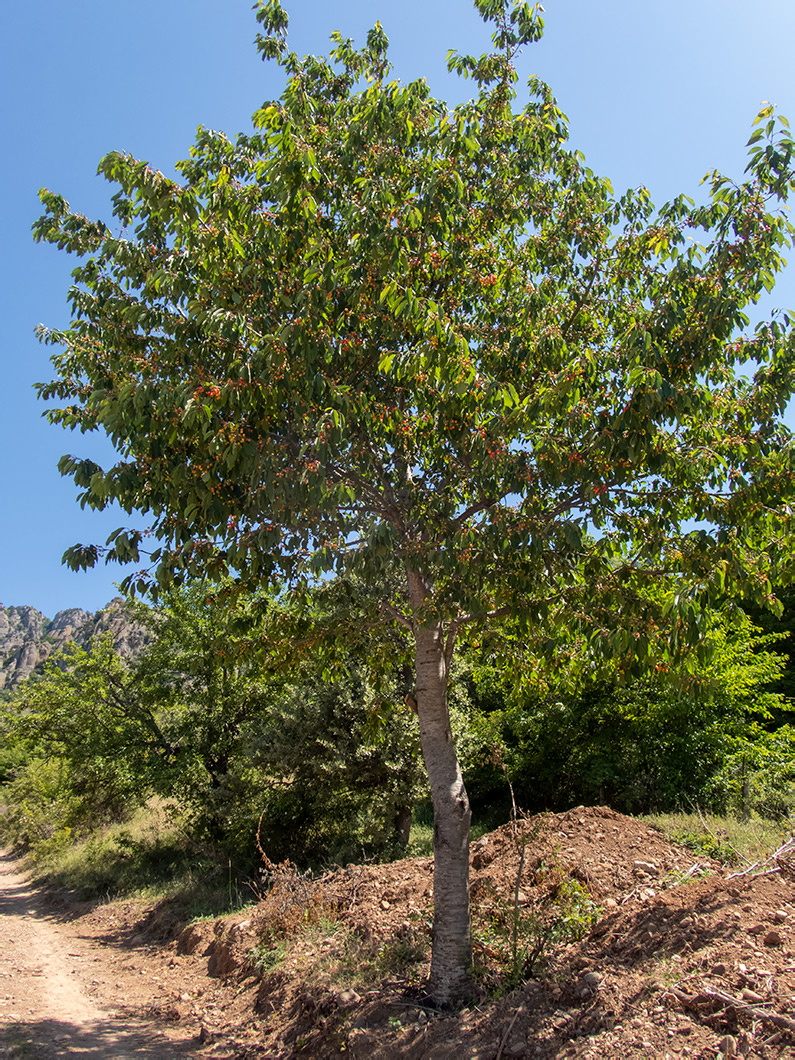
(379,329)
(84,740)
(268,733)
(227,734)
(654,744)
(208,685)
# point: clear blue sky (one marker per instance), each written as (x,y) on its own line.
(657,92)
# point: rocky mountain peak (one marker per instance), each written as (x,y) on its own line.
(28,638)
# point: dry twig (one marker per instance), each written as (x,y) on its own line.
(508,1031)
(788,847)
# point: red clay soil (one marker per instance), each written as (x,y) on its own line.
(642,949)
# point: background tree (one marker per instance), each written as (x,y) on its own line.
(381,329)
(656,744)
(80,744)
(227,734)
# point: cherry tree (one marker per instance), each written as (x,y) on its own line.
(379,330)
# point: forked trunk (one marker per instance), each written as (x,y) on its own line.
(451,955)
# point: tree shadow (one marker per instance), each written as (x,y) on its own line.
(104,1039)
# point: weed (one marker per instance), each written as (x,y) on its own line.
(677,877)
(265,958)
(709,846)
(290,901)
(402,952)
(512,941)
(743,840)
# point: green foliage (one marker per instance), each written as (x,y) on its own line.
(207,718)
(91,707)
(783,626)
(377,327)
(711,846)
(48,806)
(266,957)
(12,755)
(758,776)
(335,789)
(513,943)
(752,839)
(650,744)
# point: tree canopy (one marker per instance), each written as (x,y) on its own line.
(381,329)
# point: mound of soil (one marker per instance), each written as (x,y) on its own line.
(633,947)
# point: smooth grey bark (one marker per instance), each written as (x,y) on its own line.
(451,955)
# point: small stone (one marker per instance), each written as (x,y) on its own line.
(384,904)
(720,968)
(757,929)
(592,979)
(646,866)
(773,938)
(347,997)
(728,1046)
(751,995)
(744,1043)
(780,916)
(611,903)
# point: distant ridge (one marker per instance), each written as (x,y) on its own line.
(28,638)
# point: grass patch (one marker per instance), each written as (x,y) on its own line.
(147,858)
(726,839)
(420,844)
(352,960)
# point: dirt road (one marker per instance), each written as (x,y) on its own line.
(59,991)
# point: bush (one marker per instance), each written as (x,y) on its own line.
(47,806)
(656,744)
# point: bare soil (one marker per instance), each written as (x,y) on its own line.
(671,963)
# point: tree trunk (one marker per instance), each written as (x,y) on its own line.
(451,956)
(403,826)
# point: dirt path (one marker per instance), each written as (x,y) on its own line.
(58,989)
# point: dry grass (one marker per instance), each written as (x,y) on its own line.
(727,839)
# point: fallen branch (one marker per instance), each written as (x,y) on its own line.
(707,996)
(758,1013)
(786,848)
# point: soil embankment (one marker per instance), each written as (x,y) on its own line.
(682,958)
